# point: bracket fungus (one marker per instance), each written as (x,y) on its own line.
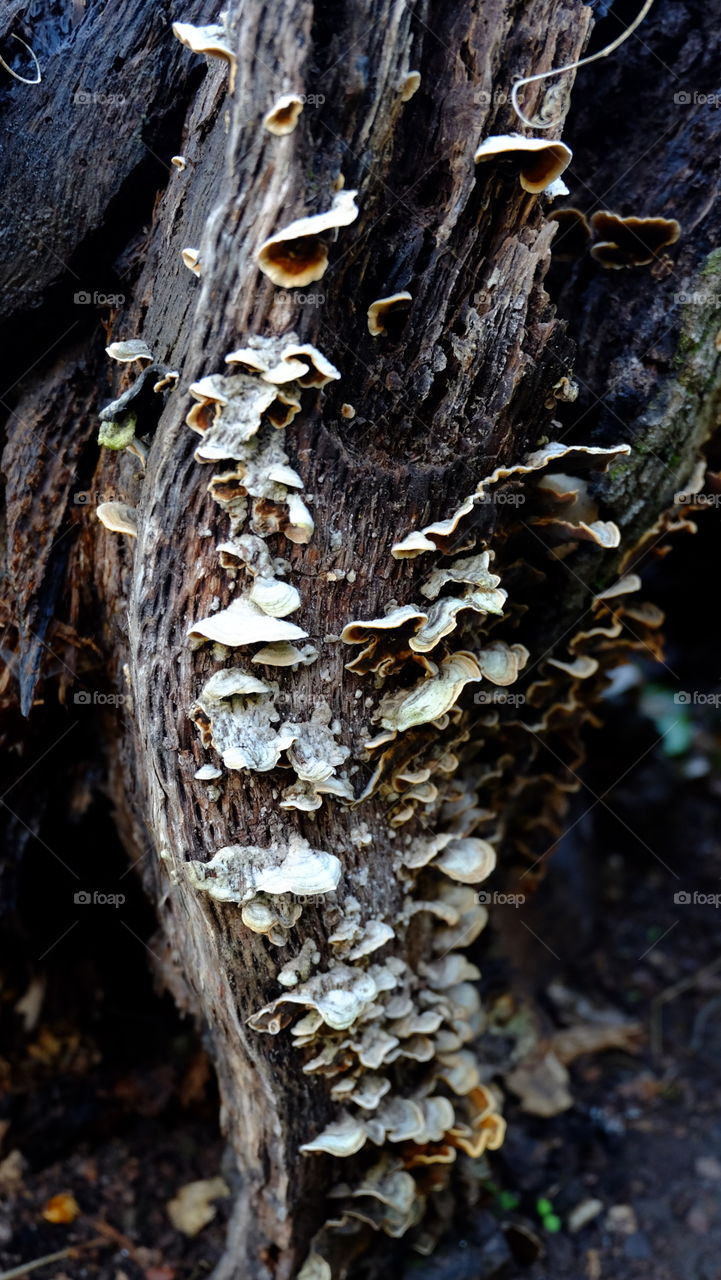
(339,996)
(237,873)
(539,161)
(231,409)
(284,654)
(435,537)
(380,311)
(320,370)
(308,796)
(410,85)
(243,622)
(235,713)
(428,700)
(280,360)
(473,570)
(191,259)
(314,753)
(274,597)
(284,114)
(630,242)
(129,350)
(167,380)
(208,773)
(300,524)
(410,631)
(342,1138)
(212,40)
(118,517)
(298,254)
(573,513)
(557,189)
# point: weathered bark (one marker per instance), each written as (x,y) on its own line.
(467,384)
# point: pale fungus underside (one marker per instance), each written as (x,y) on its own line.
(284,114)
(298,254)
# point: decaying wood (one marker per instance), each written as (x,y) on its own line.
(464,386)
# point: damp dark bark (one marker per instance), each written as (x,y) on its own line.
(94,221)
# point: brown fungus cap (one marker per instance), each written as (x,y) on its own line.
(380,310)
(297,255)
(539,160)
(284,114)
(630,242)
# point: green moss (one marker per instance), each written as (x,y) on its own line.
(118,435)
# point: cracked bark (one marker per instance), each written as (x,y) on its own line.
(96,208)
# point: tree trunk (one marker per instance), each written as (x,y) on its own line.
(469,375)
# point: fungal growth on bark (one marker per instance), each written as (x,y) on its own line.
(118,517)
(538,161)
(380,311)
(191,259)
(130,350)
(284,114)
(385,546)
(298,254)
(214,40)
(630,242)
